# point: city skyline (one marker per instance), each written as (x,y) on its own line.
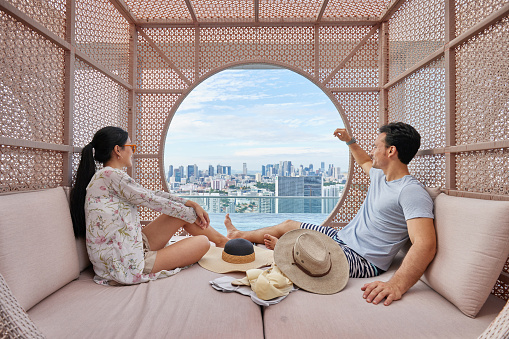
(255,117)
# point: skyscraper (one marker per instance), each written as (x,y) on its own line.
(211,171)
(244,170)
(299,187)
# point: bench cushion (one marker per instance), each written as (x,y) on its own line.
(180,306)
(37,245)
(421,313)
(472,247)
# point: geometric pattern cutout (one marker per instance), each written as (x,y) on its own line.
(291,46)
(178,44)
(152,112)
(31,86)
(362,69)
(153,71)
(429,169)
(103,33)
(361,110)
(336,42)
(147,174)
(419,100)
(29,169)
(483,171)
(469,12)
(270,9)
(98,102)
(173,11)
(415,31)
(354,8)
(482,93)
(224,9)
(49,13)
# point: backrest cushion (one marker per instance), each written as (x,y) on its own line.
(472,247)
(37,245)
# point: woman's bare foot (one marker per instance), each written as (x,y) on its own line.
(232,232)
(270,241)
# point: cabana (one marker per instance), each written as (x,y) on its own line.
(70,67)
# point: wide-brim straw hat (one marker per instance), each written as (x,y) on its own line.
(219,261)
(312,261)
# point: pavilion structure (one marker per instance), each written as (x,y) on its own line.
(70,67)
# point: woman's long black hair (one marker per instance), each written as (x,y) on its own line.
(103,143)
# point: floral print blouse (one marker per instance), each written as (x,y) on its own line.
(113,235)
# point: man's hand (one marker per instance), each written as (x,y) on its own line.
(377,291)
(342,134)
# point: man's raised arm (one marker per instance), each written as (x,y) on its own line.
(360,156)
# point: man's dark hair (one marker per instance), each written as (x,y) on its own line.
(404,137)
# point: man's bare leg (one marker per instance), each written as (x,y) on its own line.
(257,236)
(270,241)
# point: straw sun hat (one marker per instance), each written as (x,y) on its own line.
(312,261)
(238,255)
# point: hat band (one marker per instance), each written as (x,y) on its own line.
(309,273)
(238,259)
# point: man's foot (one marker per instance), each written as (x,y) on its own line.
(270,241)
(232,232)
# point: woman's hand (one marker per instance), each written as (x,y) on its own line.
(203,220)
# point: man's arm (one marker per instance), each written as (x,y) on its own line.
(422,235)
(360,156)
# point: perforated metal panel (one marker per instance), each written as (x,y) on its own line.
(483,171)
(361,110)
(469,12)
(153,71)
(50,13)
(153,110)
(178,44)
(354,8)
(361,70)
(429,169)
(336,42)
(419,100)
(482,75)
(224,9)
(98,102)
(31,89)
(292,46)
(29,169)
(415,31)
(155,9)
(147,174)
(103,34)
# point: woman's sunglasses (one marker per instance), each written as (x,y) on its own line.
(133,147)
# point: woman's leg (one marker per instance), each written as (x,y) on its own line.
(182,253)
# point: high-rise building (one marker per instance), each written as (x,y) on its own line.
(244,168)
(177,174)
(170,172)
(211,171)
(263,170)
(307,186)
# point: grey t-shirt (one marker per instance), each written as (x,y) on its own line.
(379,229)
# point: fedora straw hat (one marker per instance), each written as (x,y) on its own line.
(312,261)
(238,255)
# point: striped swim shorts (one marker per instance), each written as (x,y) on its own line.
(359,267)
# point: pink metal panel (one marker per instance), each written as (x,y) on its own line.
(103,34)
(469,12)
(32,85)
(419,100)
(415,31)
(224,9)
(289,9)
(156,9)
(50,13)
(354,8)
(482,75)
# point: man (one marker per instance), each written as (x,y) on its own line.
(397,207)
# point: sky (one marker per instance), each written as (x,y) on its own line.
(257,117)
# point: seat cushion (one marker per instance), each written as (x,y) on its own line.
(472,248)
(181,306)
(421,313)
(37,245)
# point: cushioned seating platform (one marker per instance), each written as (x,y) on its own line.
(181,306)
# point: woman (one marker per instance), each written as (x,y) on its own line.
(104,210)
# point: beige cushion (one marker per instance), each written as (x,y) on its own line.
(421,313)
(181,306)
(37,245)
(433,192)
(472,247)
